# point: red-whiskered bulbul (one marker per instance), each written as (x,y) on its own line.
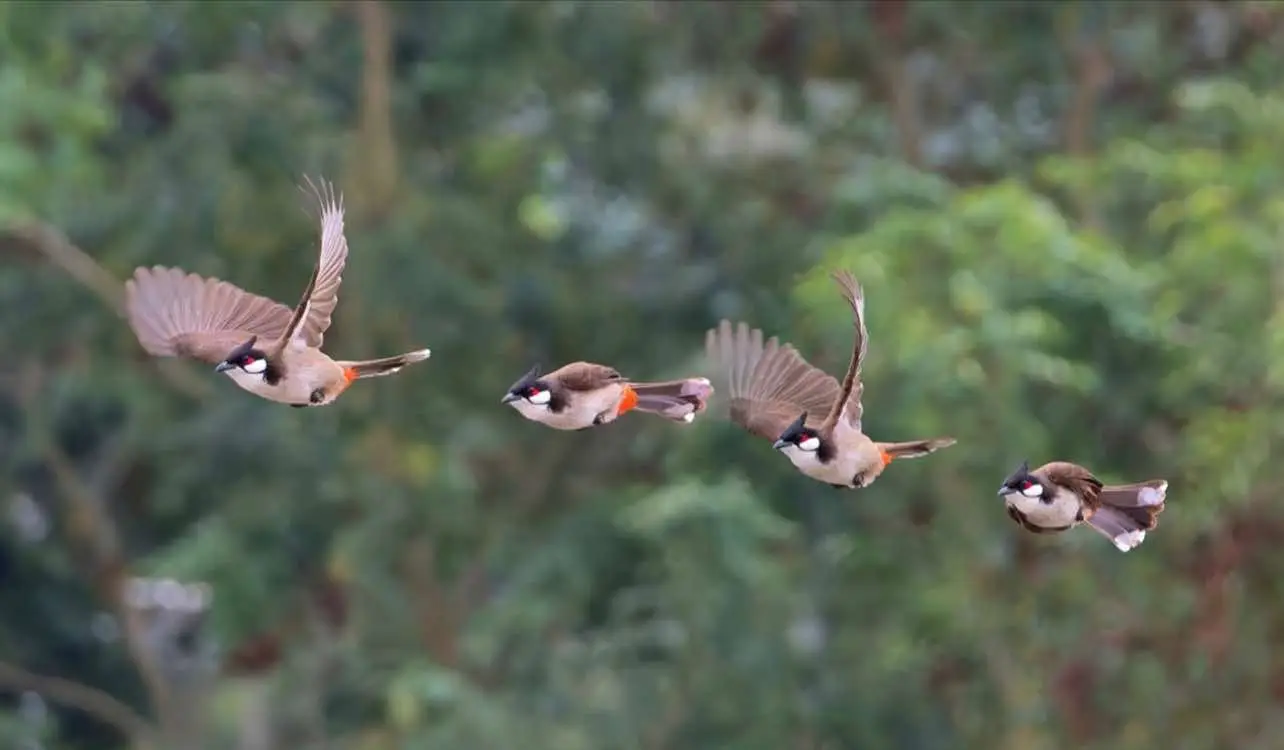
(777,395)
(262,345)
(1059,496)
(582,395)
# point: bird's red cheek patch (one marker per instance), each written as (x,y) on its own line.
(628,400)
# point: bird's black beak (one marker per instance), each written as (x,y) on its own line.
(509,398)
(223,366)
(1005,490)
(781,443)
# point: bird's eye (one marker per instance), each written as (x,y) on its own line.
(1026,484)
(532,391)
(247,359)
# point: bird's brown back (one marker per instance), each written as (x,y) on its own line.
(1075,478)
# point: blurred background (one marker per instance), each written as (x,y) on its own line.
(1068,219)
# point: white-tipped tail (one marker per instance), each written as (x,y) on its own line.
(1129,511)
(374,368)
(676,400)
(1129,539)
(1151,496)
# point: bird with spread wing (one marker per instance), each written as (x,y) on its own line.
(777,395)
(266,348)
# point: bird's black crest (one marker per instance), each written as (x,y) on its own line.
(1022,472)
(242,350)
(798,426)
(526,380)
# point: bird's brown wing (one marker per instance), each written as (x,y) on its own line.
(768,384)
(848,404)
(311,318)
(584,376)
(178,314)
(212,347)
(767,419)
(1074,478)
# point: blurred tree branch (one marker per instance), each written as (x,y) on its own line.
(778,50)
(58,250)
(94,532)
(374,159)
(900,87)
(91,531)
(84,698)
(1092,74)
(51,244)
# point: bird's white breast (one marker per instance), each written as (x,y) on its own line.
(249,381)
(306,371)
(858,458)
(580,410)
(1062,511)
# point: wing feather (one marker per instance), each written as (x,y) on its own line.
(179,314)
(848,405)
(1075,478)
(311,317)
(767,384)
(584,376)
(212,346)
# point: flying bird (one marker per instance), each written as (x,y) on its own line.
(1060,495)
(776,394)
(262,345)
(583,395)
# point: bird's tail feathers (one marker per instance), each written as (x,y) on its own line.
(373,368)
(677,400)
(914,448)
(1148,496)
(1128,511)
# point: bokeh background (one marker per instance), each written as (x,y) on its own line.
(1069,221)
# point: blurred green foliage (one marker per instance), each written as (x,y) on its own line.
(1067,218)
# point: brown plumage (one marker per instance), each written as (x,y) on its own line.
(776,394)
(583,394)
(1060,495)
(264,346)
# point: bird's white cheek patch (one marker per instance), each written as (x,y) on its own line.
(256,367)
(810,444)
(1033,491)
(539,398)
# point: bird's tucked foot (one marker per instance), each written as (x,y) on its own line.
(317,396)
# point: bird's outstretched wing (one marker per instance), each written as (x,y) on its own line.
(848,405)
(311,318)
(769,384)
(178,314)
